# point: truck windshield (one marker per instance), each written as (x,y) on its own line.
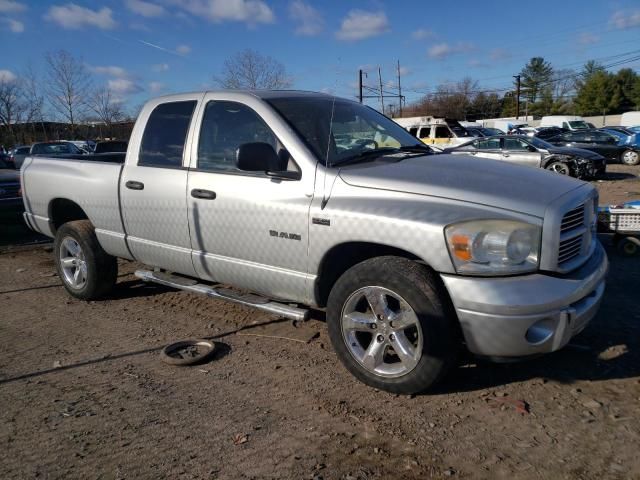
(337,130)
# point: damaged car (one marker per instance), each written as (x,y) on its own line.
(534,152)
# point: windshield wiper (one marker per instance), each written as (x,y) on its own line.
(417,148)
(365,155)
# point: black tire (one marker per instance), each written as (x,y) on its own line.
(560,168)
(630,157)
(101,268)
(420,288)
(188,352)
(628,246)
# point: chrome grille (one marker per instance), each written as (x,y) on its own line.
(572,219)
(572,233)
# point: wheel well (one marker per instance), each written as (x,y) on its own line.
(342,257)
(62,210)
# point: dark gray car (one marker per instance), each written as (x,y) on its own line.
(10,194)
(534,152)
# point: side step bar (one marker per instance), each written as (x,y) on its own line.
(249,300)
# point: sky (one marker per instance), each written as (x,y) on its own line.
(144,48)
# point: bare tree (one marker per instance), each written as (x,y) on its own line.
(107,108)
(252,70)
(68,86)
(11,106)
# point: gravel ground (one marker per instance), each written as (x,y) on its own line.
(85,395)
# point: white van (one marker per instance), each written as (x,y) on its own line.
(438,132)
(564,121)
(630,119)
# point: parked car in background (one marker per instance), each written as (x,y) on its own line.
(564,121)
(111,146)
(600,142)
(10,192)
(533,152)
(484,131)
(55,149)
(18,155)
(549,132)
(625,136)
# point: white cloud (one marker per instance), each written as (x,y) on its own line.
(499,54)
(443,50)
(7,76)
(124,86)
(358,25)
(421,34)
(587,38)
(156,87)
(183,49)
(14,25)
(146,9)
(309,20)
(112,71)
(160,67)
(74,17)
(249,11)
(9,6)
(624,19)
(405,71)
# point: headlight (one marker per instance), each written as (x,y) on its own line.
(494,247)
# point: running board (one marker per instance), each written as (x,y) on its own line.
(249,300)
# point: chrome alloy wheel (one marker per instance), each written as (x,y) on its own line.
(560,168)
(72,263)
(381,331)
(630,157)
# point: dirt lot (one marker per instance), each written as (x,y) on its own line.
(85,395)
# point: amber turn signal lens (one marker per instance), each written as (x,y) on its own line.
(461,247)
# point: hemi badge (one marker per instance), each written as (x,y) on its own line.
(321,221)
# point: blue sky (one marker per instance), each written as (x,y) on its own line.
(142,48)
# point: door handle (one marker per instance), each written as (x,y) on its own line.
(203,194)
(134,185)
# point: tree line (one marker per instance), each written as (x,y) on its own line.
(544,90)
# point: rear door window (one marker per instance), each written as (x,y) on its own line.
(488,144)
(425,132)
(165,134)
(442,131)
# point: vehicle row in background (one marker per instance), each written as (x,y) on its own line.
(15,157)
(534,152)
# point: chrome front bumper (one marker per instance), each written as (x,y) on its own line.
(529,314)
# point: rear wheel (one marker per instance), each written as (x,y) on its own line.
(559,167)
(630,157)
(86,270)
(628,246)
(389,324)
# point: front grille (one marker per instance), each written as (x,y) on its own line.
(572,234)
(572,219)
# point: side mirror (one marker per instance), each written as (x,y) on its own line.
(262,157)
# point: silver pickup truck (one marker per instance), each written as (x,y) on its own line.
(311,201)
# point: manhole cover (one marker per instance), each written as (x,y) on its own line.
(187,352)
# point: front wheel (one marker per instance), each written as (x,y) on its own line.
(390,326)
(559,167)
(630,157)
(86,270)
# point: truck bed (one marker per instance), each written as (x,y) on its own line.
(89,181)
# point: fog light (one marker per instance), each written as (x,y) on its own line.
(541,331)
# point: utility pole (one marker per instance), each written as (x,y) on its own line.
(381,94)
(399,91)
(360,85)
(517,77)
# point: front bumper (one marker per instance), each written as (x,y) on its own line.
(529,314)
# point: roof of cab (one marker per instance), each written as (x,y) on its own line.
(264,94)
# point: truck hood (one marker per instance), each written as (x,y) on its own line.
(476,180)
